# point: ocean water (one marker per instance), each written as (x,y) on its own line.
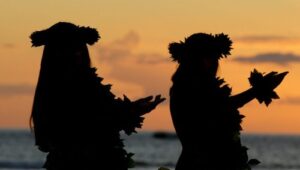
(276,152)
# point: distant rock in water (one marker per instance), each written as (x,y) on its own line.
(164,135)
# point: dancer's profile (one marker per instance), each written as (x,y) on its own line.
(204,113)
(76,118)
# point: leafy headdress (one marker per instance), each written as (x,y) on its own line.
(201,45)
(64,32)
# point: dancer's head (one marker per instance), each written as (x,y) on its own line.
(201,51)
(65,45)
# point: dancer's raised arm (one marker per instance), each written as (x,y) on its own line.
(243,98)
(262,89)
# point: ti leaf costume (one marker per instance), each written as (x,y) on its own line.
(207,124)
(205,116)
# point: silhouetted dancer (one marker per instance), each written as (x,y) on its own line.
(204,113)
(76,118)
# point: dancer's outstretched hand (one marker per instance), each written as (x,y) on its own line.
(136,110)
(146,105)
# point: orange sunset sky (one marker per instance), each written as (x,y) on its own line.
(132,53)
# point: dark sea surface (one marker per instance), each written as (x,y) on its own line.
(276,152)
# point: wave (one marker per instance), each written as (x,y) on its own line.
(20,165)
(38,165)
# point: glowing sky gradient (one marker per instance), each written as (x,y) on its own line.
(132,54)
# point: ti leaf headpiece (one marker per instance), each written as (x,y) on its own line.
(64,32)
(202,44)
